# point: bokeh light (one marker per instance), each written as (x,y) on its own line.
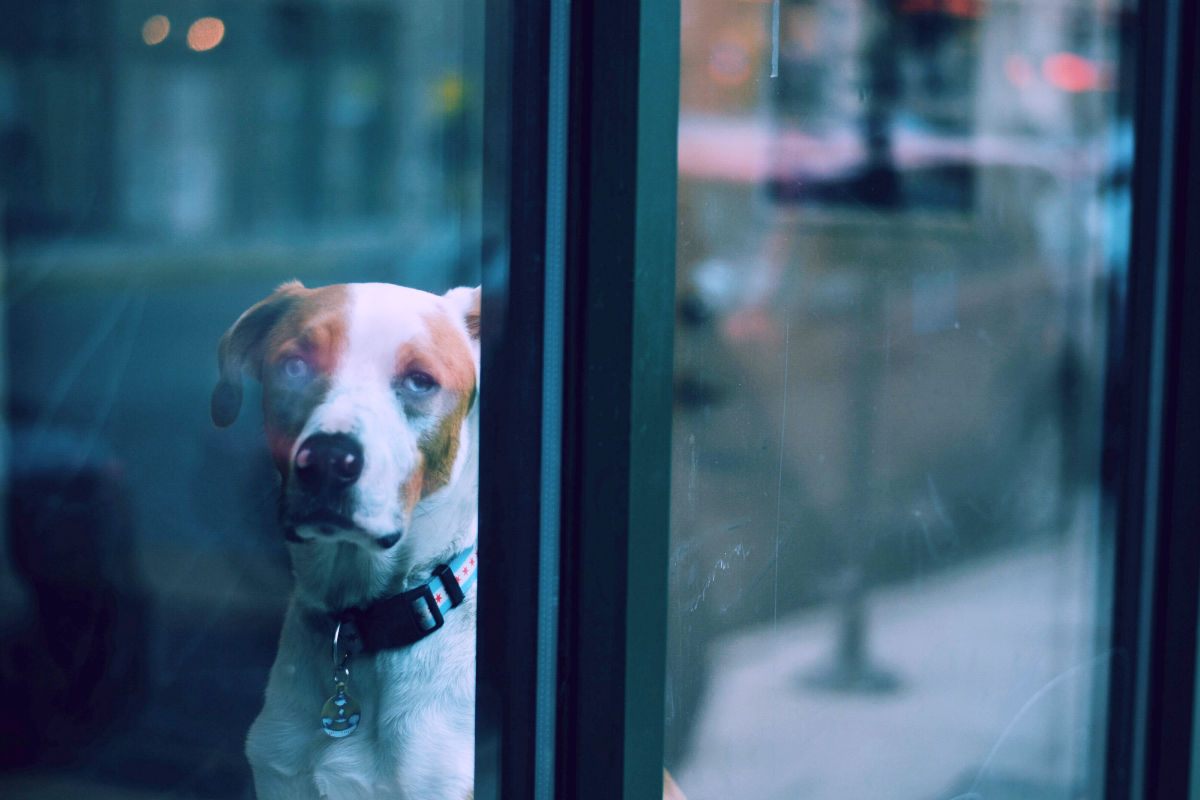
(1019,71)
(730,63)
(155,29)
(205,33)
(450,92)
(1071,73)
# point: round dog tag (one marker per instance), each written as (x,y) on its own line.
(340,714)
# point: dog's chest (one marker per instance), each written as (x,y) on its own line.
(415,739)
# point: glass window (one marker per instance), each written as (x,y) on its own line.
(164,164)
(900,225)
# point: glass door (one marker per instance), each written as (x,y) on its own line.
(903,232)
(164,165)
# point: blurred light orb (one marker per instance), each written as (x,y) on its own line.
(155,29)
(450,90)
(1019,71)
(1071,73)
(205,34)
(729,64)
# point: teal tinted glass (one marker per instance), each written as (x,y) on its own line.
(901,224)
(164,165)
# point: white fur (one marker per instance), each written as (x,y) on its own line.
(416,737)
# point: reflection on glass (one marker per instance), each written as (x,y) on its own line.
(156,29)
(205,33)
(890,568)
(149,192)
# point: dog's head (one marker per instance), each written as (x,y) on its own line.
(367,394)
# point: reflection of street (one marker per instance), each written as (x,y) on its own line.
(918,392)
(889,360)
(998,662)
(750,150)
(864,398)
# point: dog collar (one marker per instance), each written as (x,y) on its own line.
(403,619)
(390,624)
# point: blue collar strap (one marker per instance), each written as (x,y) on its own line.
(403,619)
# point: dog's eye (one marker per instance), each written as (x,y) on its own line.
(418,383)
(295,369)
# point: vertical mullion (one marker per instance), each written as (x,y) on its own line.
(1152,410)
(1174,635)
(652,381)
(1131,410)
(552,396)
(513,427)
(617,398)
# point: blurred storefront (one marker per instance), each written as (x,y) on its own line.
(159,122)
(900,222)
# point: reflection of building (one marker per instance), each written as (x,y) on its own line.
(881,375)
(940,104)
(297,113)
(994,66)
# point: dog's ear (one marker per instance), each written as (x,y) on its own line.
(241,350)
(466,301)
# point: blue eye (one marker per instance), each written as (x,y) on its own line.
(296,369)
(419,383)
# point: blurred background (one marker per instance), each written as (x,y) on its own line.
(902,224)
(164,164)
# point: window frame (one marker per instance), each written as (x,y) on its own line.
(582,105)
(578,363)
(1151,440)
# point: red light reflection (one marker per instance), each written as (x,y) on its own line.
(1071,73)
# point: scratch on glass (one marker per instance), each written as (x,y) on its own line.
(118,332)
(722,564)
(775,39)
(1085,667)
(787,341)
(691,495)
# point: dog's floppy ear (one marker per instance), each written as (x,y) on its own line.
(241,347)
(466,301)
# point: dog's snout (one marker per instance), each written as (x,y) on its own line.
(328,462)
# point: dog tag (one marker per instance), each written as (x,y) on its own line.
(340,714)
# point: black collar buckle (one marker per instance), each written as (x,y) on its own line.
(402,619)
(450,582)
(426,617)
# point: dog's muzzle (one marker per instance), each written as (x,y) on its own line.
(325,467)
(326,464)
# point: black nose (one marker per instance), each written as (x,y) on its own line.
(328,462)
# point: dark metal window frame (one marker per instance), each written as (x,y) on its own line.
(574,492)
(1152,424)
(579,276)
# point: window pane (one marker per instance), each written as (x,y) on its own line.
(163,166)
(901,226)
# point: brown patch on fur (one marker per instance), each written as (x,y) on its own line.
(444,355)
(316,329)
(440,446)
(456,366)
(412,492)
(240,350)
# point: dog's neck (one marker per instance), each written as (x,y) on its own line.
(333,576)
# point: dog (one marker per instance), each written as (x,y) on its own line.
(371,417)
(370,409)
